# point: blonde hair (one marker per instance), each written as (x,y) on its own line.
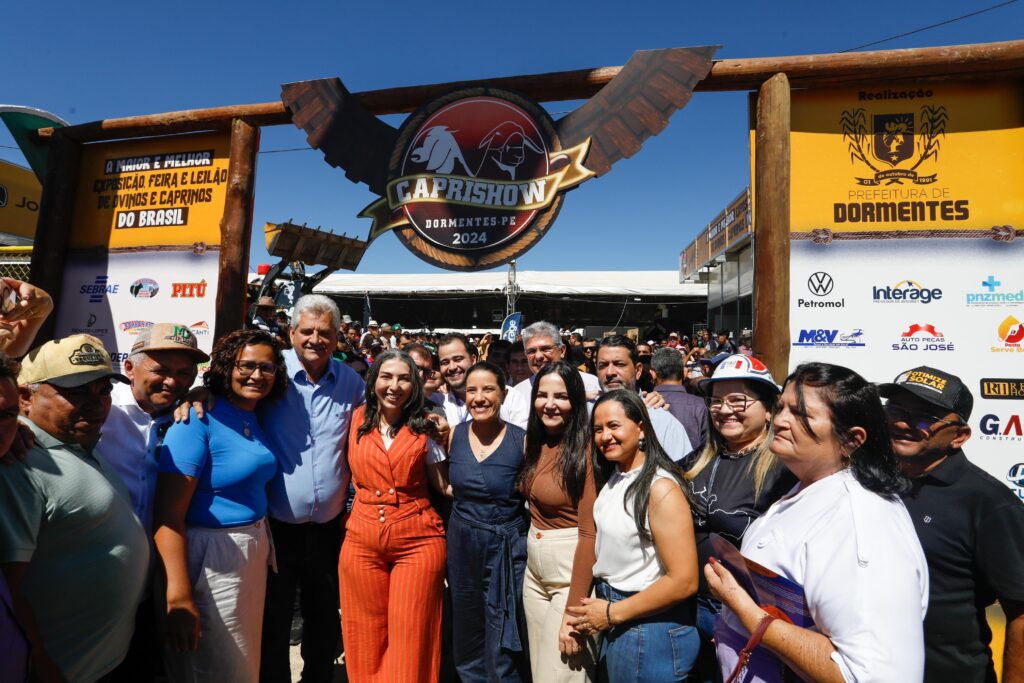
(759,463)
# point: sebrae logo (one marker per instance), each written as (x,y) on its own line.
(1011,333)
(893,147)
(905,292)
(99,288)
(476,174)
(923,337)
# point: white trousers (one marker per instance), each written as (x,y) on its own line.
(228,571)
(549,556)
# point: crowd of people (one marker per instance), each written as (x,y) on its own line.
(449,508)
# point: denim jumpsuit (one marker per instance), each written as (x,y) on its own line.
(487,560)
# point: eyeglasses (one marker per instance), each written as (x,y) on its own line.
(918,420)
(737,403)
(427,373)
(247,367)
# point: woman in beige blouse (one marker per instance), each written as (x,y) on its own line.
(558,481)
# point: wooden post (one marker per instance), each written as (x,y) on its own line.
(771,226)
(56,209)
(235,228)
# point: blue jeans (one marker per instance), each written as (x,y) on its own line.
(707,669)
(655,649)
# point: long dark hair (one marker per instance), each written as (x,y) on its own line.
(413,414)
(655,458)
(853,402)
(575,440)
(217,378)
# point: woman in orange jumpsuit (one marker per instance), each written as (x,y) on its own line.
(392,562)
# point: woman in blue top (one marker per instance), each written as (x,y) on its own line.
(210,507)
(487,537)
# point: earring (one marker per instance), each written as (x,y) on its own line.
(642,444)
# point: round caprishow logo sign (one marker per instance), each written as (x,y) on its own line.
(476,179)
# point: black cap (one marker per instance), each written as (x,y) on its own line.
(934,386)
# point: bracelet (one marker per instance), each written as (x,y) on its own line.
(608,613)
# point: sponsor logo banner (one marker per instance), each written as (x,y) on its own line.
(905,292)
(1011,333)
(995,295)
(830,338)
(923,337)
(475,174)
(1001,427)
(1002,388)
(906,157)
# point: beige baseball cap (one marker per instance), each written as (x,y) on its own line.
(169,337)
(68,362)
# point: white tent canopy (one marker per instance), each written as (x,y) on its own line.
(662,283)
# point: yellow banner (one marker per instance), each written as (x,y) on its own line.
(501,195)
(945,156)
(19,200)
(168,191)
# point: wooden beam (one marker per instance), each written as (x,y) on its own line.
(978,61)
(235,228)
(771,226)
(53,228)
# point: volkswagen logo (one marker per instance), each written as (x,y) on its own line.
(820,284)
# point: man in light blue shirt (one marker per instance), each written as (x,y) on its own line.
(308,433)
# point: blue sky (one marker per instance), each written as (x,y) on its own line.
(88,61)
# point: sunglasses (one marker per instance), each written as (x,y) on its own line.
(918,420)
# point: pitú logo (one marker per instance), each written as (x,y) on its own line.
(144,288)
(134,326)
(923,337)
(1001,428)
(100,287)
(830,338)
(906,291)
(472,174)
(992,297)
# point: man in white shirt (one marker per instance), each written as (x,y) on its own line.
(161,367)
(617,368)
(544,346)
(457,356)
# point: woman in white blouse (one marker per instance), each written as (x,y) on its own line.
(646,566)
(842,536)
